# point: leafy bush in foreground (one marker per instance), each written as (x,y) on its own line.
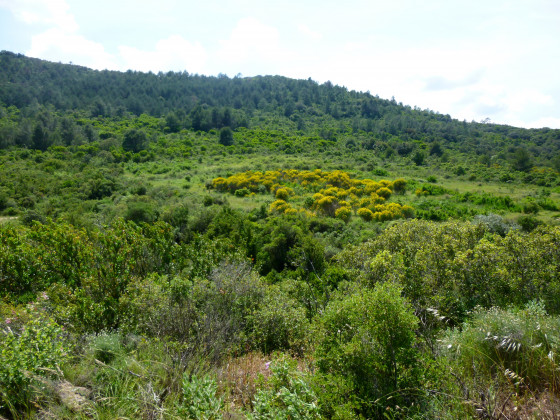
(199,400)
(368,341)
(28,353)
(286,395)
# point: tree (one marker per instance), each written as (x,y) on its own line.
(172,123)
(418,158)
(226,136)
(436,150)
(68,131)
(522,160)
(134,140)
(41,140)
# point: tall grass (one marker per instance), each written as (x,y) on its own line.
(505,358)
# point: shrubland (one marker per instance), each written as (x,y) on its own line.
(312,253)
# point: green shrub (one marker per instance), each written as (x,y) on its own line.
(225,305)
(547,204)
(141,212)
(398,185)
(280,324)
(35,350)
(199,399)
(4,200)
(286,396)
(429,189)
(530,206)
(207,201)
(31,216)
(242,192)
(454,266)
(284,244)
(367,340)
(528,223)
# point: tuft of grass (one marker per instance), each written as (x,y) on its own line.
(519,348)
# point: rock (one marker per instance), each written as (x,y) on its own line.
(73,397)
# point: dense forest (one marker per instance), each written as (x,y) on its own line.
(182,246)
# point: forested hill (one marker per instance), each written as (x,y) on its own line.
(202,103)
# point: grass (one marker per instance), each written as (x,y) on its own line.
(8,219)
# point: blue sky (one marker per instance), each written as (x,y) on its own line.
(472,60)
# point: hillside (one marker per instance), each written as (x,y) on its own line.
(182,246)
(202,103)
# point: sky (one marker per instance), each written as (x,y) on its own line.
(475,60)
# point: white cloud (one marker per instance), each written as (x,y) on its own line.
(250,40)
(434,83)
(305,30)
(61,42)
(550,122)
(519,100)
(49,12)
(173,53)
(58,45)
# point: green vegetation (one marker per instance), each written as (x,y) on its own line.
(181,246)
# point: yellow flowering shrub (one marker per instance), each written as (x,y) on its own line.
(365,214)
(343,213)
(338,194)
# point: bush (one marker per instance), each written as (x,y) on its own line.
(282,194)
(418,158)
(226,305)
(177,216)
(199,400)
(530,207)
(343,213)
(207,201)
(141,212)
(31,216)
(106,347)
(242,192)
(528,223)
(365,214)
(282,244)
(399,186)
(367,341)
(27,354)
(287,395)
(280,324)
(226,136)
(495,224)
(134,140)
(4,200)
